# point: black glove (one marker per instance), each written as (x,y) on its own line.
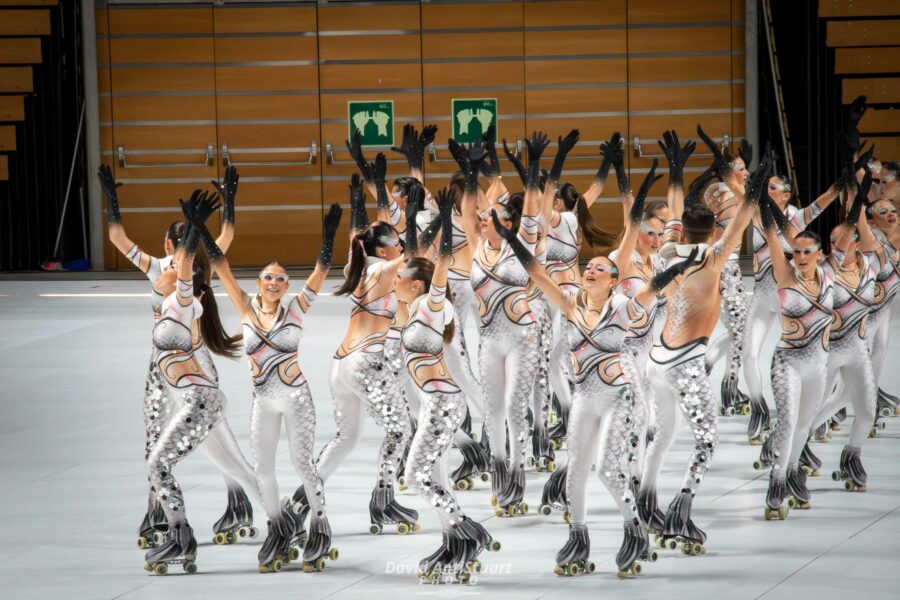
(511,236)
(766,214)
(359,218)
(613,152)
(354,147)
(378,169)
(329,229)
(746,152)
(515,161)
(444,202)
(857,109)
(109,185)
(720,165)
(228,190)
(408,146)
(565,146)
(196,211)
(469,161)
(777,215)
(864,159)
(603,170)
(758,182)
(697,187)
(637,208)
(431,232)
(416,194)
(491,167)
(659,281)
(536,145)
(862,192)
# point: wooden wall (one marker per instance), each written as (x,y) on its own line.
(272,84)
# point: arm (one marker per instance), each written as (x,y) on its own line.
(593,192)
(633,223)
(323,263)
(114,221)
(359,218)
(531,206)
(784,273)
(379,173)
(750,199)
(228,191)
(196,211)
(416,194)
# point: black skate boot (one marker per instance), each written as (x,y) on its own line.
(237,521)
(730,397)
(475,463)
(558,429)
(554,494)
(851,470)
(809,462)
(634,548)
(318,546)
(384,510)
(766,455)
(180,548)
(543,458)
(152,532)
(823,433)
(273,554)
(648,511)
(759,422)
(473,530)
(680,528)
(509,490)
(796,487)
(888,405)
(775,507)
(300,504)
(839,417)
(431,567)
(572,559)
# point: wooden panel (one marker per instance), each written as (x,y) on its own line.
(270,107)
(679,69)
(7,138)
(294,19)
(167,137)
(679,39)
(473,45)
(165,108)
(887,120)
(4,168)
(554,42)
(160,20)
(574,72)
(241,49)
(858,8)
(152,80)
(866,60)
(12,108)
(459,16)
(864,33)
(878,91)
(16,79)
(390,47)
(29,2)
(293,237)
(20,51)
(585,12)
(680,97)
(334,17)
(25,22)
(253,79)
(165,50)
(887,148)
(578,101)
(666,11)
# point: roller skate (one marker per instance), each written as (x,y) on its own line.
(680,530)
(384,510)
(796,487)
(453,562)
(318,546)
(431,567)
(152,532)
(180,548)
(839,417)
(473,530)
(475,463)
(544,459)
(508,487)
(300,504)
(775,506)
(572,559)
(823,433)
(888,405)
(553,495)
(648,511)
(809,462)
(237,521)
(557,430)
(766,455)
(759,422)
(634,548)
(851,470)
(275,550)
(734,402)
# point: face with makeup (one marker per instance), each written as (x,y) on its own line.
(890,185)
(738,174)
(884,215)
(406,287)
(389,246)
(779,191)
(844,243)
(650,236)
(272,283)
(807,253)
(600,274)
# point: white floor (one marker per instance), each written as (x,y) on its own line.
(74,487)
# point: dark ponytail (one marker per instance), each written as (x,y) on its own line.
(590,232)
(211,329)
(423,270)
(363,244)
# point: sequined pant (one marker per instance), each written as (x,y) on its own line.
(540,396)
(426,467)
(877,334)
(508,360)
(197,422)
(762,316)
(679,380)
(393,354)
(272,401)
(363,379)
(635,352)
(559,355)
(733,313)
(798,381)
(456,353)
(849,359)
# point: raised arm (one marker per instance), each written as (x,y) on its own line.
(599,182)
(413,148)
(781,268)
(531,207)
(633,222)
(228,190)
(439,278)
(196,211)
(329,228)
(867,240)
(750,198)
(117,233)
(416,194)
(359,218)
(564,146)
(469,162)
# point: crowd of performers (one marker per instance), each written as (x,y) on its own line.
(606,362)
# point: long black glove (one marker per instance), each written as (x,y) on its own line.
(565,146)
(444,202)
(864,158)
(676,155)
(746,152)
(196,211)
(511,236)
(758,182)
(636,214)
(536,145)
(329,229)
(720,165)
(857,109)
(109,185)
(228,190)
(777,216)
(427,237)
(378,170)
(416,194)
(697,187)
(659,281)
(359,218)
(469,161)
(354,147)
(515,161)
(491,167)
(613,152)
(862,192)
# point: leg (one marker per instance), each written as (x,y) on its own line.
(761,317)
(348,406)
(265,428)
(491,365)
(559,382)
(787,386)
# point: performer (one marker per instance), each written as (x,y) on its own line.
(798,365)
(272,334)
(677,368)
(238,517)
(188,323)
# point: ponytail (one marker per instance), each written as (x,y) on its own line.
(357,264)
(211,328)
(449,328)
(592,234)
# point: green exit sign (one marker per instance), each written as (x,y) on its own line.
(472,117)
(374,121)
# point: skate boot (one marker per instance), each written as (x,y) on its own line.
(838,418)
(823,433)
(648,511)
(237,521)
(475,463)
(888,405)
(680,528)
(851,470)
(152,532)
(766,455)
(300,504)
(318,546)
(431,567)
(558,429)
(273,554)
(543,458)
(473,530)
(572,559)
(809,462)
(775,507)
(796,487)
(759,422)
(634,548)
(180,548)
(730,397)
(554,494)
(509,488)
(384,510)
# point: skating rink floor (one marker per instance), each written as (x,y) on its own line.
(74,486)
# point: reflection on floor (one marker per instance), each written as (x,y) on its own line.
(74,487)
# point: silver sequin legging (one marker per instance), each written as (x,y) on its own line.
(426,468)
(600,417)
(733,313)
(679,380)
(456,353)
(363,379)
(199,422)
(273,400)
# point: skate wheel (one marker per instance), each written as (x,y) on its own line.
(499,511)
(254,532)
(511,510)
(572,570)
(622,574)
(148,567)
(873,432)
(333,554)
(767,513)
(782,512)
(485,476)
(158,538)
(220,539)
(559,570)
(493,500)
(792,502)
(729,411)
(463,484)
(523,508)
(544,510)
(293,554)
(848,485)
(552,419)
(554,445)
(745,410)
(308,568)
(758,465)
(320,563)
(836,475)
(494,546)
(474,566)
(685,548)
(434,577)
(636,568)
(416,527)
(886,412)
(806,469)
(243,531)
(815,473)
(671,544)
(231,537)
(697,549)
(551,466)
(160,568)
(567,517)
(591,567)
(276,565)
(530,461)
(653,556)
(142,542)
(402,487)
(402,528)
(375,529)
